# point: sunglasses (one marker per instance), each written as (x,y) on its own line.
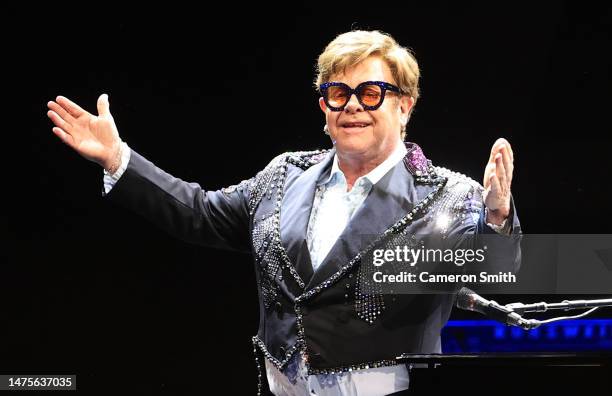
(370,94)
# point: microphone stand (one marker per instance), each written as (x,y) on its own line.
(528,324)
(566,305)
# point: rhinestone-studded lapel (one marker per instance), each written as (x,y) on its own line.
(295,213)
(392,198)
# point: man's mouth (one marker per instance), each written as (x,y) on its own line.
(354,125)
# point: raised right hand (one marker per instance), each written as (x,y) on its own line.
(94,137)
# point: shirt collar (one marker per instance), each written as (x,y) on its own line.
(375,174)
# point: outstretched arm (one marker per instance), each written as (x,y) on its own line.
(212,218)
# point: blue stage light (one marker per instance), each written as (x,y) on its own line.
(471,336)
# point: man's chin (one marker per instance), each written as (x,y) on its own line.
(352,146)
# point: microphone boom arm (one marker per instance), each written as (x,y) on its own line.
(566,305)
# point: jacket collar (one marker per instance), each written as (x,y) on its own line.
(397,191)
(375,174)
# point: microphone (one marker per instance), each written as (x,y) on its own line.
(467,299)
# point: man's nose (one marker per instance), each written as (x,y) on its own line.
(353,105)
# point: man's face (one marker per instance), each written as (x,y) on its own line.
(367,134)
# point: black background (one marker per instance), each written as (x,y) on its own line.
(211,95)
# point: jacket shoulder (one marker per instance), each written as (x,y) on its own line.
(306,159)
(269,178)
(457,180)
(301,159)
(461,193)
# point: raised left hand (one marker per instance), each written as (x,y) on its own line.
(497,181)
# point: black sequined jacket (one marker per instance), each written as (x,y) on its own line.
(324,315)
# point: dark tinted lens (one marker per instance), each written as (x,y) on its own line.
(337,96)
(370,95)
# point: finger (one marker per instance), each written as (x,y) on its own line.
(74,109)
(509,148)
(500,171)
(495,187)
(489,170)
(103,105)
(492,154)
(61,112)
(507,145)
(508,164)
(58,121)
(497,146)
(510,152)
(495,149)
(64,137)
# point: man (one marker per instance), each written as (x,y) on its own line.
(309,219)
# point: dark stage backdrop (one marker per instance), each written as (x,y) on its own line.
(211,96)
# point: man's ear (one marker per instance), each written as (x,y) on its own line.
(406,103)
(322,104)
(405,108)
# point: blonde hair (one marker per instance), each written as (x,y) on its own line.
(349,49)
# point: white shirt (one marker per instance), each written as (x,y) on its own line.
(110,180)
(334,206)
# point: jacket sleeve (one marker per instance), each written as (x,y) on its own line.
(469,229)
(504,251)
(218,219)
